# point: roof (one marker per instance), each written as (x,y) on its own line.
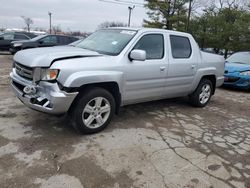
(145,29)
(30,35)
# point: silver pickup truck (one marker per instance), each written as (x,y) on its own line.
(112,68)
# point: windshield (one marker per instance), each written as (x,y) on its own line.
(240,57)
(38,37)
(109,42)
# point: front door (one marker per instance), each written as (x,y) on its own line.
(48,41)
(145,80)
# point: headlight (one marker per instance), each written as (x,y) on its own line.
(17,44)
(49,74)
(245,73)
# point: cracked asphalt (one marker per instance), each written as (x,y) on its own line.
(158,144)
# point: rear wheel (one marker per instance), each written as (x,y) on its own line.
(201,96)
(93,111)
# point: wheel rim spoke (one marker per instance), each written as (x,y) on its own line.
(89,120)
(99,120)
(105,109)
(89,109)
(98,102)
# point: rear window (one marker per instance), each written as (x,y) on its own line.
(181,47)
(64,40)
(20,37)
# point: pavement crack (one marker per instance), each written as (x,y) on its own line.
(173,149)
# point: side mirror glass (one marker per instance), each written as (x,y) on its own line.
(139,55)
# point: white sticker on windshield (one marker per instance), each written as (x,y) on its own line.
(128,32)
(114,42)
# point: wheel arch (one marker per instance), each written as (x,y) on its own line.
(212,78)
(111,87)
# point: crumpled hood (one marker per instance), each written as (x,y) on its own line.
(44,57)
(236,67)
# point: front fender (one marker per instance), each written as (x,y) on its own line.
(81,78)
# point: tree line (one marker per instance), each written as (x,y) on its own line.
(218,24)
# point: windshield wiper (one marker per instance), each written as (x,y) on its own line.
(238,62)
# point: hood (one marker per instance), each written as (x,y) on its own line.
(44,57)
(236,67)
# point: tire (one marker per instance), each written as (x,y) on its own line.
(202,95)
(93,110)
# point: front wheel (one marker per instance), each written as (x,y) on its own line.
(93,111)
(201,96)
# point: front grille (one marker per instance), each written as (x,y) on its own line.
(23,71)
(19,86)
(231,79)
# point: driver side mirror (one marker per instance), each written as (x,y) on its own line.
(1,38)
(139,55)
(40,42)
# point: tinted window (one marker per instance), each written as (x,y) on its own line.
(49,40)
(64,40)
(20,37)
(153,45)
(180,46)
(8,36)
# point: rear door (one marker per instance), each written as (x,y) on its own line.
(182,66)
(145,80)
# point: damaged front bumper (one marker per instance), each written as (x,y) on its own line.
(47,97)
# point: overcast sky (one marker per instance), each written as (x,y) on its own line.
(84,15)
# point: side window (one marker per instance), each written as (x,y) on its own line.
(181,47)
(20,37)
(64,40)
(153,45)
(49,40)
(8,36)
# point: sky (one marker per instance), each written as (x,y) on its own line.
(70,15)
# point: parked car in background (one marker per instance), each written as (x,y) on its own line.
(7,38)
(41,41)
(237,70)
(112,68)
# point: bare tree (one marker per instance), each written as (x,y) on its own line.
(194,8)
(28,21)
(232,4)
(57,29)
(111,24)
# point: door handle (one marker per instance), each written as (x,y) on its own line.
(162,68)
(193,66)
